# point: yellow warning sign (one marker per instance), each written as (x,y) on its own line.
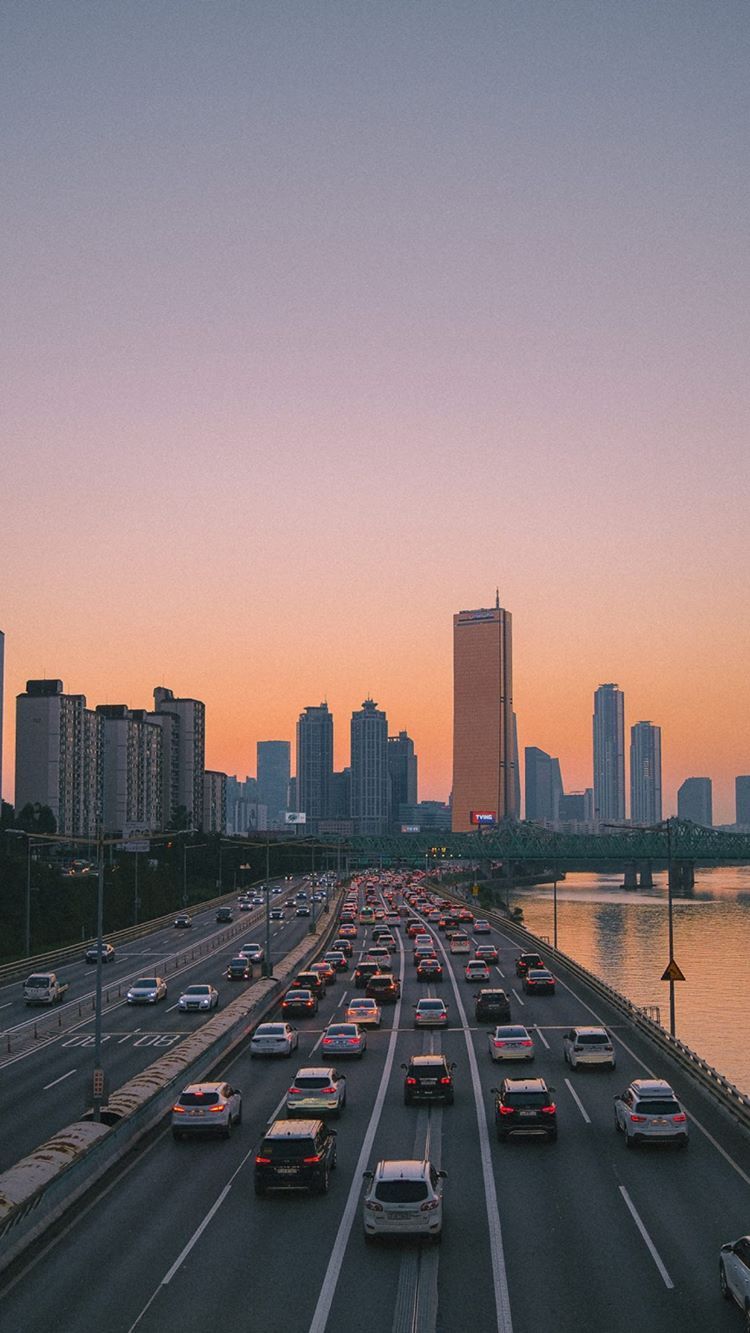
(475,890)
(673,972)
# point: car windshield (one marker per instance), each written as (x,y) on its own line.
(526,1099)
(145,982)
(198,990)
(655,1106)
(199,1098)
(44,981)
(401,1191)
(238,963)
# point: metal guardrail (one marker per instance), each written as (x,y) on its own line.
(39,1189)
(728,1096)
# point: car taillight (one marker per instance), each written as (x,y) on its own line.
(308,1161)
(680,1118)
(637,1119)
(498,1044)
(179,1110)
(411,1081)
(429,1206)
(309,1004)
(506,1110)
(263,1161)
(353,1041)
(327,1041)
(290,1090)
(331,1089)
(549,1110)
(220,1106)
(527,1043)
(373,1206)
(445,1080)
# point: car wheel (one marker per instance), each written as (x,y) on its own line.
(361,1053)
(723,1284)
(573,1062)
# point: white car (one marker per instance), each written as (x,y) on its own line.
(365,1012)
(648,1111)
(147,990)
(429,1013)
(481,927)
(344,1039)
(201,996)
(273,1039)
(460,944)
(317,1090)
(588,1046)
(403,1198)
(477,970)
(511,1041)
(734,1273)
(255,953)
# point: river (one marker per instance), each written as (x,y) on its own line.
(622,937)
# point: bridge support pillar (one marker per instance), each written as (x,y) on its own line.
(646,875)
(631,876)
(682,876)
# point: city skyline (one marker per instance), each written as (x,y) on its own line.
(317,329)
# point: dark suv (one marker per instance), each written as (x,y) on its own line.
(362,973)
(429,1078)
(295,1154)
(492,1005)
(224,914)
(525,1106)
(526,960)
(310,981)
(383,987)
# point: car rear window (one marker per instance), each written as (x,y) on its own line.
(312,1081)
(428,1071)
(342,1030)
(655,1107)
(401,1191)
(199,1099)
(592,1039)
(431,1004)
(280,1148)
(526,1099)
(271,1030)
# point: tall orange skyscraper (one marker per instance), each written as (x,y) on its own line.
(485,780)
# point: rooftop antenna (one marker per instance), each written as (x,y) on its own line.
(497,599)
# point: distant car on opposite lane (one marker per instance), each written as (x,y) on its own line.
(147,990)
(197,998)
(92,954)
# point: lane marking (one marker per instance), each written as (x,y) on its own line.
(332,1273)
(541,1036)
(666,1279)
(518,997)
(499,970)
(172,1007)
(58,1080)
(578,1101)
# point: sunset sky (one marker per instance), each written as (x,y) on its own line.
(322,318)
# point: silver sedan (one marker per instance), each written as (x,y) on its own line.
(273,1039)
(318,1090)
(344,1039)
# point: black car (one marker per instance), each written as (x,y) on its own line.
(295,1154)
(362,973)
(429,968)
(298,1003)
(429,1078)
(224,914)
(383,987)
(526,960)
(491,1004)
(310,981)
(239,969)
(525,1106)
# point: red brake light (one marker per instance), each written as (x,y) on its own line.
(310,1160)
(549,1110)
(637,1119)
(220,1106)
(498,1044)
(352,1040)
(180,1110)
(263,1161)
(327,1041)
(506,1110)
(331,1089)
(292,1089)
(411,1081)
(680,1118)
(445,1080)
(527,1043)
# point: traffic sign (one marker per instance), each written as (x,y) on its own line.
(475,890)
(673,972)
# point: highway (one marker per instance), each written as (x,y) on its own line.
(578,1235)
(52,1074)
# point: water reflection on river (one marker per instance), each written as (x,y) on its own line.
(622,937)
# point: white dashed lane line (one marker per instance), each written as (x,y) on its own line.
(578,1101)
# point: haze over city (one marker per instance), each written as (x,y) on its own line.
(320,322)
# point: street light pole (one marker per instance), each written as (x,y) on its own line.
(98,1086)
(554,910)
(670,918)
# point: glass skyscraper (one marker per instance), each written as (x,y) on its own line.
(314,764)
(370,780)
(485,778)
(645,773)
(609,754)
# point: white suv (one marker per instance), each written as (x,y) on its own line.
(588,1046)
(734,1273)
(648,1111)
(404,1197)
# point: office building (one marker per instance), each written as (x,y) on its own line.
(742,800)
(274,767)
(645,773)
(424,815)
(314,764)
(543,783)
(56,756)
(129,776)
(341,795)
(402,770)
(575,811)
(2,705)
(695,801)
(184,756)
(244,814)
(609,755)
(485,776)
(214,802)
(369,761)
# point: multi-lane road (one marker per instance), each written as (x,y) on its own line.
(577,1235)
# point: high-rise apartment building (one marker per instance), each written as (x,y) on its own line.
(370,781)
(742,800)
(214,802)
(314,764)
(609,754)
(485,777)
(274,767)
(695,801)
(2,705)
(543,783)
(56,756)
(184,755)
(129,770)
(645,773)
(402,770)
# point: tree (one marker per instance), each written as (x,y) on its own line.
(36,819)
(6,815)
(180,819)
